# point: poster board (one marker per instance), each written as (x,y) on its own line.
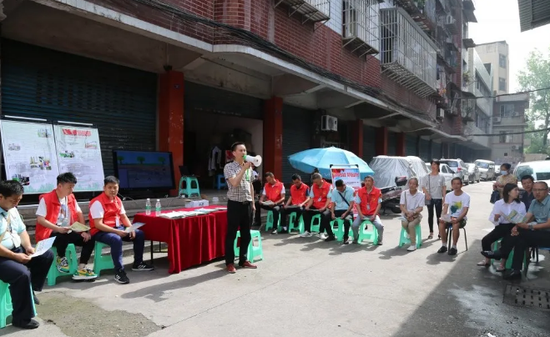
(30,155)
(79,152)
(349,174)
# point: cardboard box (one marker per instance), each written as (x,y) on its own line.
(197,203)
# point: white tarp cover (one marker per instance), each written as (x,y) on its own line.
(387,168)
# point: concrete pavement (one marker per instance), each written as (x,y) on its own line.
(308,287)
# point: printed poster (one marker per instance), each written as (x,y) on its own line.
(79,152)
(350,175)
(29,155)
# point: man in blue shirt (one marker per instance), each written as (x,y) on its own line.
(532,232)
(17,267)
(343,200)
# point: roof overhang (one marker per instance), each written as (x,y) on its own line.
(533,13)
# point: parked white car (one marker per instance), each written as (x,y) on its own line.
(473,173)
(486,169)
(540,170)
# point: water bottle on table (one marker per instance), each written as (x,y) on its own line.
(157,208)
(148,207)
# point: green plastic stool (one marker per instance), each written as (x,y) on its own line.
(365,234)
(189,186)
(101,262)
(53,273)
(6,306)
(339,233)
(316,227)
(404,240)
(297,225)
(269,222)
(253,251)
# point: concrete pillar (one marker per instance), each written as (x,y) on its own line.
(400,144)
(357,137)
(273,136)
(381,141)
(170,116)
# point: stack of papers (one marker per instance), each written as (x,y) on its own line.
(268,203)
(185,214)
(79,228)
(515,217)
(134,226)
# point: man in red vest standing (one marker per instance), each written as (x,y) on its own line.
(299,197)
(318,203)
(108,221)
(272,199)
(57,210)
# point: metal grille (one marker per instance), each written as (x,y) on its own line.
(361,25)
(312,10)
(527,297)
(408,54)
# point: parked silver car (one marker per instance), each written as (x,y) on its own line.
(474,176)
(458,166)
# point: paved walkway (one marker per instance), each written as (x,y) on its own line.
(306,287)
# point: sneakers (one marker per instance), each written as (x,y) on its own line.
(84,274)
(442,250)
(306,235)
(322,236)
(121,277)
(330,238)
(452,251)
(142,266)
(275,231)
(411,248)
(62,265)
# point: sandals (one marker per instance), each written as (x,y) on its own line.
(431,236)
(500,269)
(483,264)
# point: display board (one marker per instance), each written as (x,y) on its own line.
(349,174)
(30,155)
(144,169)
(79,152)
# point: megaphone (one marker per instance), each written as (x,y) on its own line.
(255,160)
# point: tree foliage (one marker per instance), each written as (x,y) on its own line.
(536,76)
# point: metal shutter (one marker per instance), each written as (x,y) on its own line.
(436,150)
(392,137)
(120,101)
(425,150)
(369,143)
(296,137)
(410,145)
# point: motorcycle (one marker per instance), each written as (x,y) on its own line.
(391,196)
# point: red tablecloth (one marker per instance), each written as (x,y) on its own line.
(191,241)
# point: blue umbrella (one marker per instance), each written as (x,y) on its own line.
(322,158)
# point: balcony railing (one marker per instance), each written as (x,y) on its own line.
(311,10)
(361,26)
(408,54)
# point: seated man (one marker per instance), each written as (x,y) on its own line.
(455,209)
(532,232)
(343,201)
(318,204)
(57,211)
(274,194)
(299,196)
(17,268)
(107,221)
(369,199)
(412,202)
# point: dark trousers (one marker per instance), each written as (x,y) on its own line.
(239,217)
(287,211)
(325,220)
(521,242)
(63,240)
(436,204)
(501,231)
(276,209)
(347,223)
(21,277)
(115,242)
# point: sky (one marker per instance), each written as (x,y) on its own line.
(499,20)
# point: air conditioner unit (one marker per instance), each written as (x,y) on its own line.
(449,20)
(496,120)
(440,113)
(329,123)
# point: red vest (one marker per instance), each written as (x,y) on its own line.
(52,213)
(320,194)
(299,195)
(111,211)
(369,199)
(273,192)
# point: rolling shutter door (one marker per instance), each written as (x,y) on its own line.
(436,150)
(410,145)
(425,154)
(119,101)
(296,137)
(392,138)
(369,143)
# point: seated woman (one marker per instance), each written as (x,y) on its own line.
(503,210)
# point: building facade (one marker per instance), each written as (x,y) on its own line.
(509,123)
(495,55)
(374,77)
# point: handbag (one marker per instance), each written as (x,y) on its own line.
(429,202)
(495,196)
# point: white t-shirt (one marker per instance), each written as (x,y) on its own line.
(97,211)
(457,203)
(504,209)
(64,212)
(412,201)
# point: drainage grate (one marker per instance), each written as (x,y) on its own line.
(527,297)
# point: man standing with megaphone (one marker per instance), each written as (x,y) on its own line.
(240,205)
